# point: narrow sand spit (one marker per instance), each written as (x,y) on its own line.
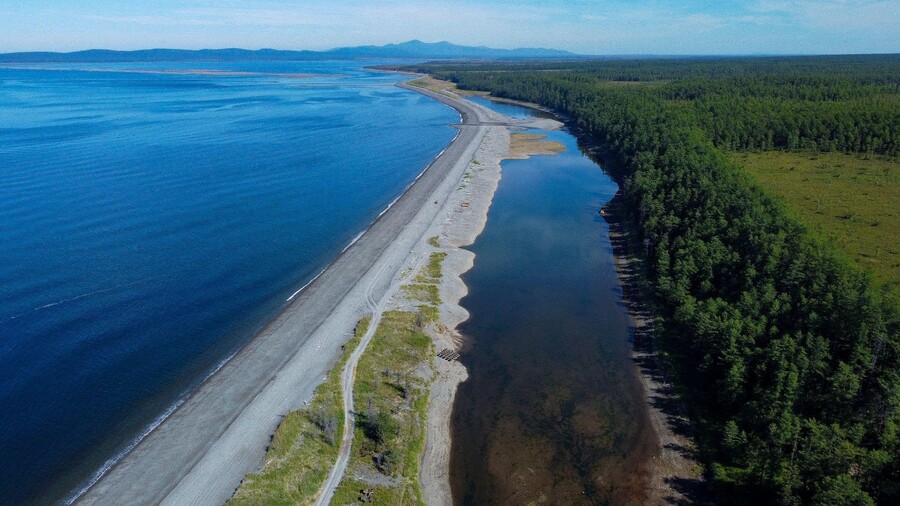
(200,453)
(460,218)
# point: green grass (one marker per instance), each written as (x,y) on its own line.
(434,265)
(431,274)
(388,380)
(425,288)
(434,241)
(852,201)
(425,292)
(300,455)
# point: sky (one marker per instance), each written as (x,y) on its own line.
(598,27)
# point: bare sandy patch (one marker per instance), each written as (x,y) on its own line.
(524,145)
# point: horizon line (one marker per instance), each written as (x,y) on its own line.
(573,54)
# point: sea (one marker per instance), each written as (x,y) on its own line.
(153,216)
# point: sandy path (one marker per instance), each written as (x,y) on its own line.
(348,377)
(202,451)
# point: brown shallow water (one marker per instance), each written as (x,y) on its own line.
(552,411)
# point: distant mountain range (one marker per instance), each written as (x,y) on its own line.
(419,49)
(412,49)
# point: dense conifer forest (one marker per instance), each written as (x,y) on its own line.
(788,353)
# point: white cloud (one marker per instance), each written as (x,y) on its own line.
(838,15)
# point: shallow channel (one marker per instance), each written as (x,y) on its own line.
(552,411)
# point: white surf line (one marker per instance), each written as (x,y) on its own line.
(315,277)
(353,241)
(97,476)
(386,209)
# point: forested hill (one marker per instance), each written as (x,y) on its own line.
(789,353)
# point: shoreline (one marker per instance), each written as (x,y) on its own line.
(674,475)
(460,218)
(466,214)
(203,450)
(460,229)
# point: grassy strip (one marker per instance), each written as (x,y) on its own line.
(304,447)
(849,199)
(422,291)
(431,273)
(391,396)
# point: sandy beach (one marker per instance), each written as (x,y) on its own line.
(200,453)
(460,220)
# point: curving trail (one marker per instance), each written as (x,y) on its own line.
(200,453)
(348,378)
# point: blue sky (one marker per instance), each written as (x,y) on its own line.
(583,26)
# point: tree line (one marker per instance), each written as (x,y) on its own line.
(789,353)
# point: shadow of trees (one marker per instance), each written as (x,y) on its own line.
(663,395)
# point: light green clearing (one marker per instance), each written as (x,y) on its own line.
(851,200)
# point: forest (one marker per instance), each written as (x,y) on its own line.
(788,351)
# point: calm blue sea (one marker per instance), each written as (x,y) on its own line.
(151,222)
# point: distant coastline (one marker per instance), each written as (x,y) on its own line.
(168,72)
(413,49)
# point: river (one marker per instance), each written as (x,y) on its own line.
(552,411)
